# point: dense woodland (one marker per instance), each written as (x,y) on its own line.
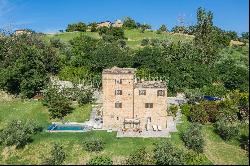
(206,65)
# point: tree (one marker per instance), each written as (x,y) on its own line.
(245,35)
(163,28)
(26,63)
(57,155)
(111,34)
(58,104)
(100,160)
(144,27)
(140,157)
(93,27)
(165,153)
(204,37)
(18,133)
(93,145)
(80,26)
(178,29)
(232,35)
(193,138)
(129,23)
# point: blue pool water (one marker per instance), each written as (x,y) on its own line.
(62,127)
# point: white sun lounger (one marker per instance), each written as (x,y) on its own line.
(159,128)
(154,127)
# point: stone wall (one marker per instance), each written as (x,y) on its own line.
(114,117)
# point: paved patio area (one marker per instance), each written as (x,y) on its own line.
(145,134)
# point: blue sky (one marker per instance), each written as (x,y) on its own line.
(52,15)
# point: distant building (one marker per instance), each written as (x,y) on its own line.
(22,31)
(104,24)
(118,23)
(128,103)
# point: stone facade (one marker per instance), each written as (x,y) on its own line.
(131,104)
(104,24)
(22,31)
(118,24)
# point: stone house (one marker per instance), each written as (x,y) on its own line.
(128,103)
(104,24)
(118,24)
(22,31)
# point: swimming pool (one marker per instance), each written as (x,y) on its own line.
(68,128)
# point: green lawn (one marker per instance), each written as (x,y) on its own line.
(217,151)
(134,36)
(66,36)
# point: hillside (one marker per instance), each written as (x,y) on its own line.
(134,37)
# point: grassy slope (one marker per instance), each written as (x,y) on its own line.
(218,151)
(134,36)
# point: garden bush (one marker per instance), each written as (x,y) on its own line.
(211,107)
(198,114)
(93,145)
(185,109)
(56,156)
(193,138)
(144,42)
(165,153)
(140,157)
(100,160)
(18,133)
(173,109)
(226,129)
(244,142)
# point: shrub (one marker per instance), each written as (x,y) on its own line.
(18,133)
(244,142)
(100,160)
(165,153)
(144,42)
(93,145)
(226,129)
(57,156)
(193,138)
(155,42)
(84,97)
(173,109)
(140,157)
(198,114)
(158,32)
(211,107)
(185,109)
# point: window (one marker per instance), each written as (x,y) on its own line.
(117,118)
(118,81)
(142,92)
(118,105)
(148,105)
(161,93)
(118,92)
